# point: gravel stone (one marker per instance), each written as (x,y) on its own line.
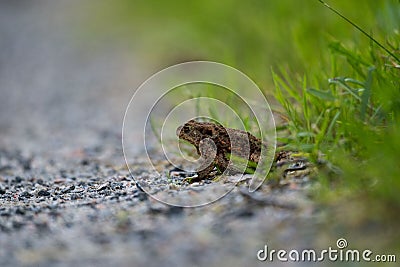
(26,194)
(43,193)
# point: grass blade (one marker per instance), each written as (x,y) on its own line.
(324,95)
(360,29)
(366,94)
(332,124)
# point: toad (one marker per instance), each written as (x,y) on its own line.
(216,145)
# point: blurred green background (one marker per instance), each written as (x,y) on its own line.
(252,36)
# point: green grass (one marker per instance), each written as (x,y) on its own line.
(349,119)
(348,122)
(337,90)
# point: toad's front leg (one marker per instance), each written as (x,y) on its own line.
(208,158)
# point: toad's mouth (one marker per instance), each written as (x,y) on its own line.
(178,130)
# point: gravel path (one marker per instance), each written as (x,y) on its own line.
(86,212)
(66,198)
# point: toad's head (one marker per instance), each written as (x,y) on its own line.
(193,131)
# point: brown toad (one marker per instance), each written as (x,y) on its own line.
(215,144)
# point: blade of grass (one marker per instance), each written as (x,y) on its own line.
(366,94)
(323,95)
(288,88)
(306,112)
(360,29)
(342,83)
(332,124)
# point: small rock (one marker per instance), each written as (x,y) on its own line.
(68,189)
(20,211)
(74,196)
(42,226)
(40,199)
(102,187)
(5,213)
(17,224)
(101,238)
(175,210)
(179,173)
(2,191)
(142,196)
(25,163)
(43,193)
(4,228)
(26,194)
(59,181)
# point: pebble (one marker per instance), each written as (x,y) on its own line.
(43,193)
(25,194)
(68,189)
(20,211)
(59,181)
(142,196)
(18,179)
(102,187)
(17,224)
(74,196)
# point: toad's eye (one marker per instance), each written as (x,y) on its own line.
(186,129)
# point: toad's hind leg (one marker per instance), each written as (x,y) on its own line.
(222,163)
(204,173)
